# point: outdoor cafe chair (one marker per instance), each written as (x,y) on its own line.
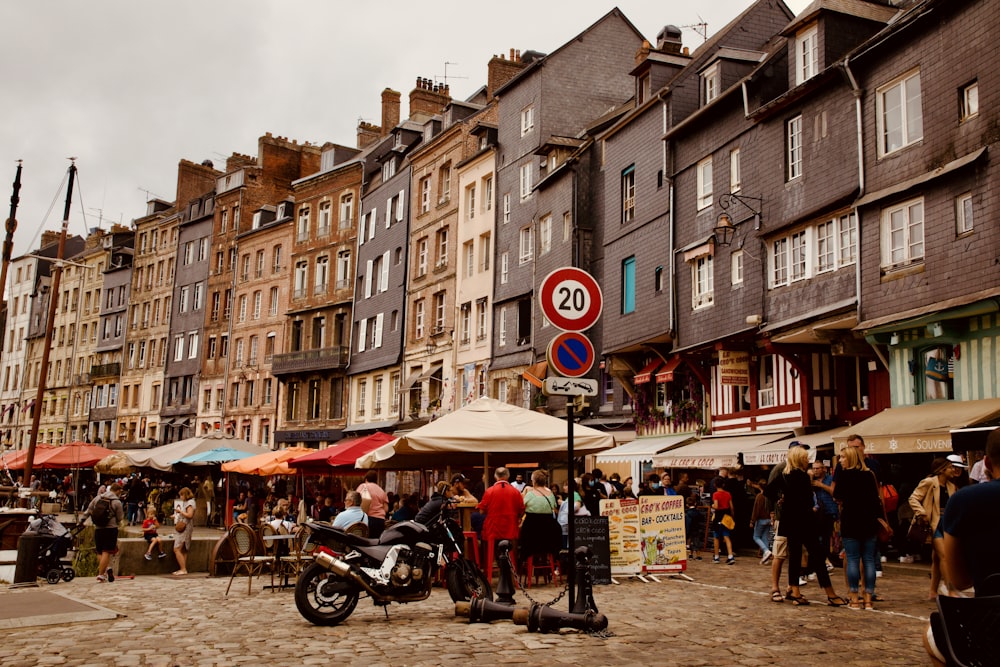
(245,545)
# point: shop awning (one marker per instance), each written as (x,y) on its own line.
(535,374)
(410,381)
(643,449)
(775,452)
(716,451)
(920,428)
(971,439)
(646,374)
(666,374)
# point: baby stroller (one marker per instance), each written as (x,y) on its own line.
(56,542)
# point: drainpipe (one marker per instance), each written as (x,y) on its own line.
(671,324)
(858,93)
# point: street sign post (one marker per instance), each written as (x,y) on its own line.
(571,354)
(570,387)
(571,299)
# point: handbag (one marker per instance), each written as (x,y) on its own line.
(180,526)
(884,530)
(366,498)
(918,533)
(728,521)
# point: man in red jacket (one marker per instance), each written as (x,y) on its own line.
(503,507)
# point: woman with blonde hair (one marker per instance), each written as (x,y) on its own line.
(928,501)
(183,512)
(861,506)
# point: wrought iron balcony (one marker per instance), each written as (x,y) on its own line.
(325,358)
(105,370)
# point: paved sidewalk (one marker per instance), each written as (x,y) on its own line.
(723,617)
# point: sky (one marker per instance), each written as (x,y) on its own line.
(130,88)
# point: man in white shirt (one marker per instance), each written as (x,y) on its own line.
(979,472)
(351,513)
(518,483)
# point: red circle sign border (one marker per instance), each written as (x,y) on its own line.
(548,304)
(554,360)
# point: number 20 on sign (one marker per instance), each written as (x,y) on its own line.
(571,299)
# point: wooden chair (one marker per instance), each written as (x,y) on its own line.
(270,550)
(359,529)
(245,544)
(292,563)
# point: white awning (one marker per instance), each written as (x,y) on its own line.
(643,449)
(775,452)
(716,451)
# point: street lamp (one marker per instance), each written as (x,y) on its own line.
(725,228)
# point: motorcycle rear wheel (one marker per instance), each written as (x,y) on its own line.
(465,580)
(324,598)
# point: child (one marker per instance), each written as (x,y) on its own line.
(149,526)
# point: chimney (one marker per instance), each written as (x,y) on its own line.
(367,134)
(390,110)
(500,70)
(49,237)
(428,97)
(669,40)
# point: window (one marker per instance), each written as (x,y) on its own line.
(903,233)
(481,319)
(272,302)
(502,328)
(425,194)
(798,258)
(806,55)
(704,183)
(488,193)
(485,251)
(545,235)
(418,319)
(439,312)
(628,194)
(179,347)
(323,221)
(388,168)
(899,117)
(525,180)
(736,267)
(735,181)
(701,282)
(301,271)
(710,84)
(527,245)
(377,397)
(848,230)
(970,100)
(469,253)
(276,259)
(362,398)
(470,202)
(182,302)
(422,256)
(441,241)
(527,119)
(257,298)
(322,276)
(506,208)
(825,247)
(628,285)
(779,262)
(302,229)
(444,183)
(963,213)
(193,345)
(343,269)
(793,157)
(188,253)
(465,326)
(504,268)
(242,313)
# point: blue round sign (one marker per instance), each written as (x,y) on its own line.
(571,354)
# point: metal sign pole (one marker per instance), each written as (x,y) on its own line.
(570,507)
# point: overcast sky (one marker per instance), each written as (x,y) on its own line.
(130,88)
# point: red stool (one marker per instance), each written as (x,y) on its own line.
(490,561)
(472,547)
(547,569)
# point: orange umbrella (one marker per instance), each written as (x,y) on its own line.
(74,455)
(15,459)
(268,463)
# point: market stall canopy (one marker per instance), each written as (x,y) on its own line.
(114,464)
(343,453)
(716,451)
(74,455)
(773,453)
(14,459)
(643,449)
(268,463)
(920,428)
(163,457)
(214,456)
(486,428)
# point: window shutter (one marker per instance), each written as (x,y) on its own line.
(377,338)
(361,235)
(399,206)
(368,280)
(362,334)
(388,212)
(383,285)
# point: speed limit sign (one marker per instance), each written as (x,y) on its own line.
(571,299)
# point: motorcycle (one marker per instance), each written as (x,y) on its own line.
(400,566)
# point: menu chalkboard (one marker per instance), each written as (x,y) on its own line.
(592,531)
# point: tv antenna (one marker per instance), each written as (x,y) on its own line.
(149,193)
(701,28)
(445,77)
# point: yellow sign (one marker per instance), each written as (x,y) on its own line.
(623,535)
(734,367)
(663,541)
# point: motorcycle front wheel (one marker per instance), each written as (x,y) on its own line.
(324,598)
(465,580)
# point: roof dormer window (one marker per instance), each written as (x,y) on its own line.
(710,84)
(806,55)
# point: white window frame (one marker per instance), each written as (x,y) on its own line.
(847,232)
(793,148)
(525,180)
(970,100)
(963,213)
(418,319)
(504,268)
(736,267)
(806,54)
(527,119)
(735,177)
(702,282)
(526,244)
(545,234)
(826,251)
(710,83)
(425,194)
(704,171)
(903,234)
(628,194)
(907,108)
(422,256)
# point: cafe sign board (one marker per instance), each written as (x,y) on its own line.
(662,538)
(734,367)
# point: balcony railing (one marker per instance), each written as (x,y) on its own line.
(310,360)
(106,370)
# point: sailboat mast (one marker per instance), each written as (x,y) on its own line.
(8,241)
(36,413)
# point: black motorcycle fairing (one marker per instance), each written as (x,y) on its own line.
(324,531)
(404,532)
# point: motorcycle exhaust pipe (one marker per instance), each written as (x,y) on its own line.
(344,570)
(334,564)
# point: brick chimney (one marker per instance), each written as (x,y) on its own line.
(428,97)
(390,110)
(194,180)
(49,237)
(501,70)
(367,134)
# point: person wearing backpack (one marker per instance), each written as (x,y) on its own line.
(106,512)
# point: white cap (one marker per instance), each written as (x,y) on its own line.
(956,460)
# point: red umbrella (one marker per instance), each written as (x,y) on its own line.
(342,454)
(74,455)
(15,459)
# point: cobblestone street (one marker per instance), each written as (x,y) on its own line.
(724,617)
